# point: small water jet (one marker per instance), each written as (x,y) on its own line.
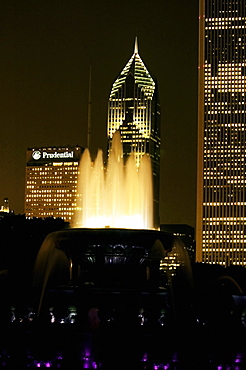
(118,196)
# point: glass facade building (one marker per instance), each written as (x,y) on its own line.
(51,182)
(221,190)
(134,110)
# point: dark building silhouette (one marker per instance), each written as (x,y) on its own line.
(185,233)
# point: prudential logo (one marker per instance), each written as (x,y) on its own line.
(36,155)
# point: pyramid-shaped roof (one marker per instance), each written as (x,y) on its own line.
(141,75)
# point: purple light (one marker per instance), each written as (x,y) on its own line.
(145,357)
(219,367)
(38,364)
(156,367)
(238,359)
(175,357)
(48,364)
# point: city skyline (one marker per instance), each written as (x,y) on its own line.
(46,53)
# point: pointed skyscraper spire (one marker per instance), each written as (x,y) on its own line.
(134,110)
(136,46)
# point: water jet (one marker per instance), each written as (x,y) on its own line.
(118,196)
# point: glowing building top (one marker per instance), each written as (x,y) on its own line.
(134,110)
(142,77)
(136,88)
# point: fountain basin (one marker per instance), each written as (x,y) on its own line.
(102,257)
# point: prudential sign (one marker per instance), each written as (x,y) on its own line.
(37,154)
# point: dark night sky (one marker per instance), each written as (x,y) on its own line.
(46,49)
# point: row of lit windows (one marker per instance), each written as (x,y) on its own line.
(223,240)
(54,184)
(49,207)
(51,189)
(230,150)
(39,197)
(60,209)
(229,176)
(225,19)
(224,27)
(216,251)
(209,95)
(227,219)
(224,170)
(53,196)
(225,177)
(65,164)
(223,231)
(226,112)
(66,215)
(229,68)
(218,259)
(46,213)
(229,74)
(214,123)
(48,170)
(40,208)
(48,204)
(51,173)
(225,103)
(49,166)
(50,179)
(42,198)
(225,204)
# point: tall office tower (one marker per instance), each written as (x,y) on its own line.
(221,199)
(134,110)
(51,182)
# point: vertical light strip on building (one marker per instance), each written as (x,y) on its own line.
(221,178)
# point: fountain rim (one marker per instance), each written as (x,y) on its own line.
(141,237)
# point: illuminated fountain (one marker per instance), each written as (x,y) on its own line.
(120,196)
(112,268)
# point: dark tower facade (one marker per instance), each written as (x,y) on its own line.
(221,196)
(134,110)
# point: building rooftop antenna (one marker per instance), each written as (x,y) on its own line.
(136,45)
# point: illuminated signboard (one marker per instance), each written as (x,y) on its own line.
(37,154)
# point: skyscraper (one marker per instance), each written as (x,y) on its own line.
(134,110)
(51,182)
(221,194)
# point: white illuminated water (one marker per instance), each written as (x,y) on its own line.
(118,196)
